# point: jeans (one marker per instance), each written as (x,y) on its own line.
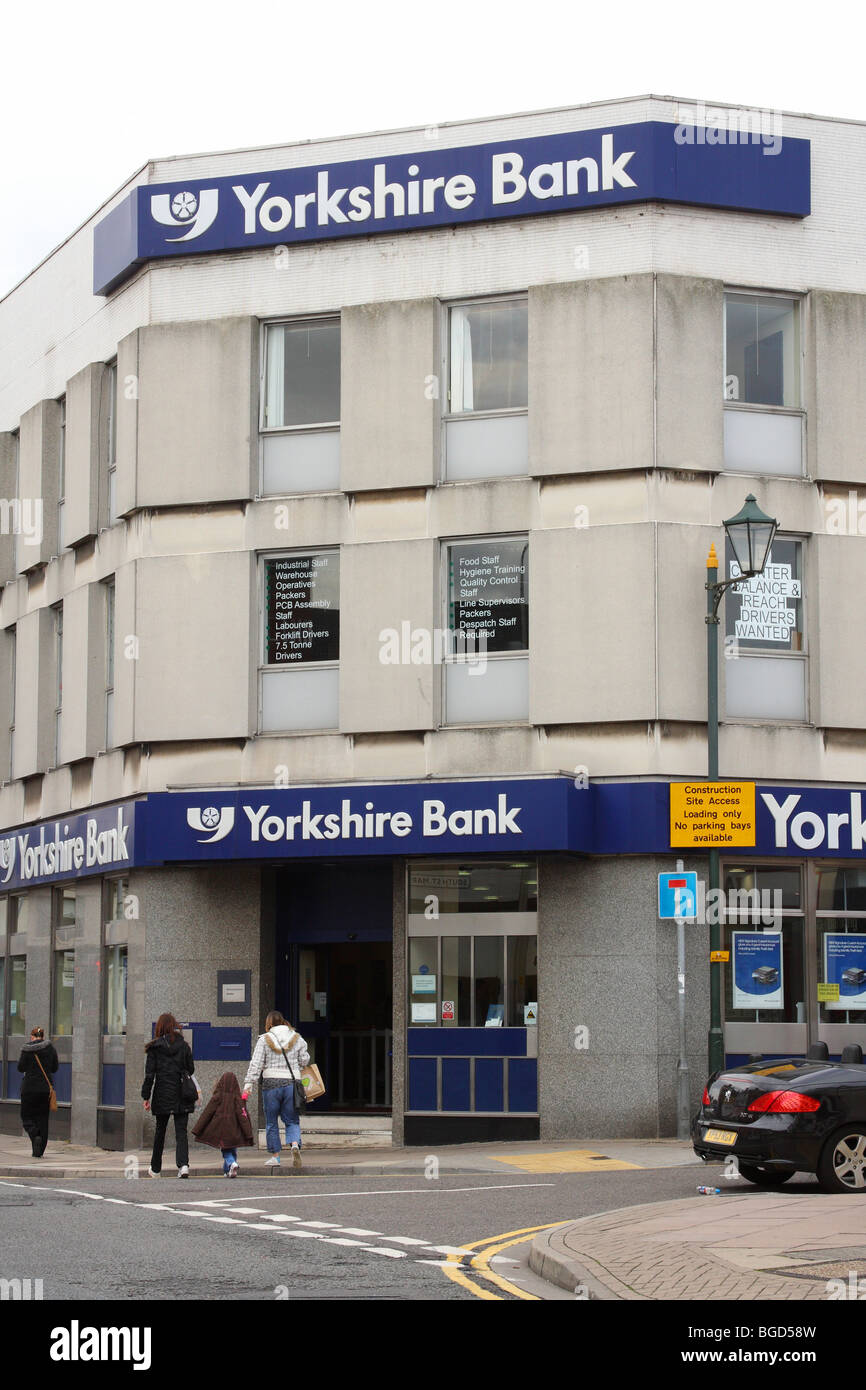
(230,1156)
(279,1102)
(181,1140)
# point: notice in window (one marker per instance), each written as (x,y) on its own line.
(766,611)
(489,595)
(302,609)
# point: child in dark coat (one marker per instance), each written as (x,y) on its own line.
(225,1124)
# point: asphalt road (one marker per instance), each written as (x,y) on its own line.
(302,1238)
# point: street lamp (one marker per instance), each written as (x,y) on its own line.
(751,534)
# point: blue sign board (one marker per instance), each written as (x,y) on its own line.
(678,894)
(845,966)
(435,187)
(96,842)
(757,965)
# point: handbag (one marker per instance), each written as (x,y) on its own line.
(188,1090)
(300,1094)
(52,1094)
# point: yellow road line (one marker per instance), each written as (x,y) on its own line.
(479,1262)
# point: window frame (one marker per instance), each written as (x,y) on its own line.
(265,328)
(265,555)
(803,655)
(517,296)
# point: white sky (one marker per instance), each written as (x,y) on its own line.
(92,91)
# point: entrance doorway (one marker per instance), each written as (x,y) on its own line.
(334,976)
(345,1012)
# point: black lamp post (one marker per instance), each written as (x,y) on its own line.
(751,534)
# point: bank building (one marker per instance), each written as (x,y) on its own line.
(357,498)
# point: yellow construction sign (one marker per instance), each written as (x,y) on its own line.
(710,814)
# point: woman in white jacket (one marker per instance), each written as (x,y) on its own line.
(277,1058)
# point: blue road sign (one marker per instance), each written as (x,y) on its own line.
(678,894)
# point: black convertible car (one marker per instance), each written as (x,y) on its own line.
(790,1116)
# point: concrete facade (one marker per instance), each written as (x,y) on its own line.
(626,487)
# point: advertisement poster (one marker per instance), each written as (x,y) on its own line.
(757,959)
(845,966)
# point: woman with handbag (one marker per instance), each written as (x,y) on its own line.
(169,1088)
(38,1061)
(277,1058)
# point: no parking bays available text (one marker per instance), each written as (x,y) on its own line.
(712,813)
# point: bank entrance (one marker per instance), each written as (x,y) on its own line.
(334,976)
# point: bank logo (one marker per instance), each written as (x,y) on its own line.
(220,820)
(195,212)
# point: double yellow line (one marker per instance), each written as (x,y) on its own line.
(480,1263)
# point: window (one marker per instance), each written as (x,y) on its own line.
(58,671)
(766,979)
(762,385)
(487,616)
(300,416)
(115,967)
(61,474)
(111,460)
(488,376)
(300,641)
(765,674)
(16,1021)
(841,943)
(109,663)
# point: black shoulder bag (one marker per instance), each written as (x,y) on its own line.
(297,1084)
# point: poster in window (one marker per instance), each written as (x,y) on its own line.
(757,966)
(845,966)
(766,612)
(489,594)
(302,609)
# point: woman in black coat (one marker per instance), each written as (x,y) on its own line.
(38,1061)
(168,1058)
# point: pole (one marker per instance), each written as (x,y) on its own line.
(683,1104)
(715,1041)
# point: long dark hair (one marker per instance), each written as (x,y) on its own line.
(273,1020)
(167,1027)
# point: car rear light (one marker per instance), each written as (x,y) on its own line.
(784,1102)
(705,1098)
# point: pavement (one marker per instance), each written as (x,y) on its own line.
(744,1244)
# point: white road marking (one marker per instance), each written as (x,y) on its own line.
(406,1240)
(376,1192)
(357,1231)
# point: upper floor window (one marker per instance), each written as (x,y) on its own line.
(486,431)
(763,384)
(486,669)
(111,439)
(61,476)
(765,675)
(299,679)
(488,358)
(301,399)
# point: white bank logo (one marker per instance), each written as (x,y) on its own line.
(808,830)
(366,824)
(195,212)
(218,820)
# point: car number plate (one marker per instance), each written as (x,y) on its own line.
(720,1136)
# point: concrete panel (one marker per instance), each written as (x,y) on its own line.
(193,621)
(128,387)
(85,451)
(389,586)
(7,667)
(591,625)
(197,399)
(836,386)
(838,572)
(391,404)
(8,471)
(126,648)
(34,693)
(591,375)
(87,1036)
(84,672)
(681,636)
(689,369)
(38,481)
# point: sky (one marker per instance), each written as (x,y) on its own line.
(92,91)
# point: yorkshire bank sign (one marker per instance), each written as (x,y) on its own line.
(534,815)
(435,187)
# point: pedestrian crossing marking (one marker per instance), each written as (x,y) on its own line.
(566,1161)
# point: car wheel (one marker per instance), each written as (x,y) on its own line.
(842,1166)
(764,1177)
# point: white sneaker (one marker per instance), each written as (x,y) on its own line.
(233,1171)
(183,1172)
(152,1174)
(273,1161)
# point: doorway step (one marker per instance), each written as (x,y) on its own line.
(329,1131)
